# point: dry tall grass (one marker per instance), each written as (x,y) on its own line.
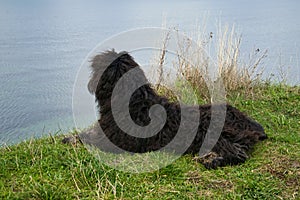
(220,51)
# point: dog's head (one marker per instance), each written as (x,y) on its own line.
(108,67)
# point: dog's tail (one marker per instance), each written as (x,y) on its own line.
(99,64)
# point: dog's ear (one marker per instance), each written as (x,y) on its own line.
(92,85)
(99,64)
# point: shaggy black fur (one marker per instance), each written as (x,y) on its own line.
(237,138)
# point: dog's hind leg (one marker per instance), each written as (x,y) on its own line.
(224,153)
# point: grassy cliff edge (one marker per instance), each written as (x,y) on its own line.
(47,169)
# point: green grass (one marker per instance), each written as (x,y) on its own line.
(47,169)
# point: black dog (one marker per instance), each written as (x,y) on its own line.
(238,134)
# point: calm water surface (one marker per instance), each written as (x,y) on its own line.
(42,44)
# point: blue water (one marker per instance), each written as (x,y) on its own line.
(43,42)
